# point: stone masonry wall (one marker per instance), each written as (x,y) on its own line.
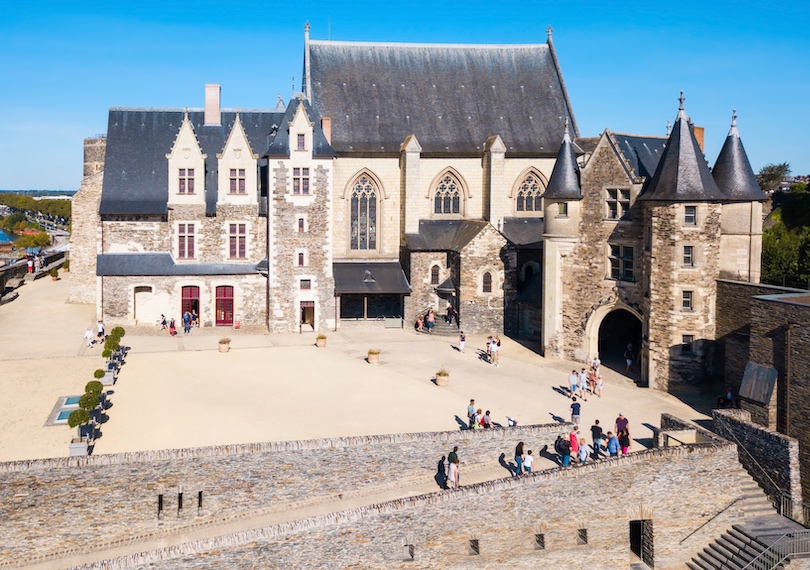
(504,516)
(85,239)
(772,458)
(423,294)
(481,312)
(235,479)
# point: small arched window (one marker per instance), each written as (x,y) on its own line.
(300,260)
(364,214)
(528,194)
(434,275)
(486,285)
(447,199)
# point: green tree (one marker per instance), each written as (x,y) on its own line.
(771,175)
(41,239)
(798,188)
(780,255)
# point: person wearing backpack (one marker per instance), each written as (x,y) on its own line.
(563,449)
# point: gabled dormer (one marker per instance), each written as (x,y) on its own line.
(186,164)
(237,179)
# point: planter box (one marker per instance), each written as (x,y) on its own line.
(224,347)
(442,380)
(78,447)
(108,379)
(373,358)
(320,342)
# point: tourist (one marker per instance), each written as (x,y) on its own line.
(453,476)
(471,413)
(621,423)
(613,445)
(186,322)
(519,459)
(448,315)
(563,448)
(462,340)
(452,457)
(489,349)
(596,436)
(495,351)
(195,318)
(88,336)
(100,326)
(599,385)
(624,441)
(573,439)
(487,420)
(172,328)
(30,264)
(628,357)
(595,363)
(478,420)
(163,324)
(418,325)
(431,320)
(583,385)
(573,380)
(575,409)
(528,461)
(584,450)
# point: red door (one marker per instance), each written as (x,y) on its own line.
(191,299)
(224,306)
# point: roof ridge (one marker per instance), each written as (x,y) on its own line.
(197,109)
(640,136)
(424,44)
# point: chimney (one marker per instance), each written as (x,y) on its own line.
(213,116)
(326,127)
(699,131)
(94,150)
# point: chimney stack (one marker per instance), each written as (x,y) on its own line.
(213,115)
(699,135)
(326,126)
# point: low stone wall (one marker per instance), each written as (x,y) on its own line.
(770,457)
(504,516)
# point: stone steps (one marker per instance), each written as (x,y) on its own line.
(442,328)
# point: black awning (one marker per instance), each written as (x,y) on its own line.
(446,286)
(358,278)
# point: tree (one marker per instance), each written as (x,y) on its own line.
(33,240)
(771,175)
(780,255)
(798,188)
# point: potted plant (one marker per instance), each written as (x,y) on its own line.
(106,353)
(76,419)
(66,266)
(320,340)
(442,376)
(118,332)
(373,355)
(224,344)
(96,388)
(99,374)
(54,274)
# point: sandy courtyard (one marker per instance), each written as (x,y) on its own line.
(181,392)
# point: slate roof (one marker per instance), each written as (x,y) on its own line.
(163,264)
(524,231)
(733,173)
(135,167)
(682,174)
(280,143)
(641,153)
(444,235)
(452,97)
(359,278)
(564,181)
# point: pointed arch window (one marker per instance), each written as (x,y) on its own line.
(447,199)
(486,285)
(434,275)
(364,214)
(528,194)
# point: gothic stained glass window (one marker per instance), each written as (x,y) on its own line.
(528,195)
(364,214)
(448,197)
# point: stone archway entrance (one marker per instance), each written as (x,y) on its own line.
(619,329)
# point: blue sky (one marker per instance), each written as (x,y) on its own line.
(63,64)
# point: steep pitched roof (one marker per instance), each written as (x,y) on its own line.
(452,97)
(135,168)
(443,235)
(280,141)
(164,264)
(564,181)
(732,172)
(682,174)
(641,153)
(526,233)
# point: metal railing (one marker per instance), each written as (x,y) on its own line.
(795,510)
(717,514)
(784,547)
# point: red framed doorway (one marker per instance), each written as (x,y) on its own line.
(191,299)
(224,305)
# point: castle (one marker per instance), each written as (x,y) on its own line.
(411,176)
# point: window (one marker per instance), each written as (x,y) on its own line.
(364,215)
(301,181)
(688,255)
(582,536)
(687,344)
(301,226)
(447,199)
(686,301)
(237,176)
(528,195)
(539,541)
(486,284)
(185,241)
(618,204)
(690,216)
(301,259)
(306,284)
(302,142)
(237,237)
(186,179)
(562,210)
(434,275)
(621,262)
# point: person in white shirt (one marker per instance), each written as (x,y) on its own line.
(528,461)
(452,476)
(89,337)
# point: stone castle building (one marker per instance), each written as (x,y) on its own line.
(412,176)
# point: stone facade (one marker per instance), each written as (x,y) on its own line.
(85,240)
(481,310)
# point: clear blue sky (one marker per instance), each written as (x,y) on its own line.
(63,64)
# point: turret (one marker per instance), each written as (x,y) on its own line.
(563,193)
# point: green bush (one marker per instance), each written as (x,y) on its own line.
(118,332)
(94,387)
(99,374)
(54,272)
(88,402)
(78,417)
(66,265)
(111,343)
(106,353)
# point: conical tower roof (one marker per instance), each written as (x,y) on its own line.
(682,174)
(732,172)
(564,181)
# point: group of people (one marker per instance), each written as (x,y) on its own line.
(477,418)
(426,322)
(493,350)
(190,319)
(36,262)
(612,442)
(524,460)
(582,383)
(98,337)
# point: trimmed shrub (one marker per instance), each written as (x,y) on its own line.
(99,374)
(66,265)
(118,332)
(78,417)
(94,387)
(106,353)
(88,402)
(111,343)
(54,272)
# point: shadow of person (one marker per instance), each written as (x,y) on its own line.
(562,390)
(508,465)
(546,454)
(462,425)
(441,474)
(557,419)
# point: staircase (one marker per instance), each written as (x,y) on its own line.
(442,328)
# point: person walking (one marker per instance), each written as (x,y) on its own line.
(88,336)
(431,320)
(172,328)
(100,326)
(186,322)
(163,325)
(599,385)
(596,436)
(628,357)
(563,448)
(613,445)
(621,423)
(452,457)
(528,461)
(519,459)
(583,385)
(573,439)
(489,349)
(453,476)
(495,351)
(573,380)
(624,441)
(462,341)
(575,408)
(471,413)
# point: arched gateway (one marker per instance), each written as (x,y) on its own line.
(609,332)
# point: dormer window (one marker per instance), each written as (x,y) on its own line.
(301,181)
(302,142)
(237,177)
(186,181)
